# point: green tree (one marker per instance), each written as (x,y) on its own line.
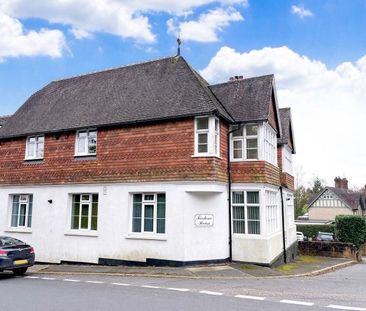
(301,201)
(317,186)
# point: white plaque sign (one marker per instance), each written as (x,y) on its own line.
(204,220)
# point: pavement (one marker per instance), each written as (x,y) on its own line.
(303,266)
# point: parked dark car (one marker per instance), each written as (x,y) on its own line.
(325,236)
(15,255)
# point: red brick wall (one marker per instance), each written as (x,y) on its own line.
(255,172)
(152,152)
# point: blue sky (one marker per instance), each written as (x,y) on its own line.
(315,48)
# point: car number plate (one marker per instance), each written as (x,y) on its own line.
(21,262)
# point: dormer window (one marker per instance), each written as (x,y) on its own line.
(34,147)
(86,143)
(207,136)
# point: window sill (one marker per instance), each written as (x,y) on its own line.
(248,236)
(142,236)
(245,160)
(34,161)
(85,157)
(82,233)
(19,230)
(206,156)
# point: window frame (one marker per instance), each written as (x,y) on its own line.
(213,137)
(90,212)
(36,152)
(28,211)
(144,203)
(245,205)
(86,143)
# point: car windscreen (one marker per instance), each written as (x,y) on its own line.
(8,241)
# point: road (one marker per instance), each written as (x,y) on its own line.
(343,290)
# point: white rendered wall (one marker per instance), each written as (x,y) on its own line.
(54,242)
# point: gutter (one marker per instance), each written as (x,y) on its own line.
(240,126)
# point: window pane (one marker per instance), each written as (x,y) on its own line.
(253,197)
(31,150)
(202,138)
(238,212)
(40,149)
(15,211)
(136,213)
(22,212)
(216,125)
(148,197)
(92,144)
(85,198)
(149,218)
(253,212)
(75,216)
(238,132)
(160,223)
(252,130)
(30,208)
(239,226)
(238,154)
(202,123)
(238,197)
(252,143)
(94,220)
(252,154)
(254,227)
(84,216)
(202,143)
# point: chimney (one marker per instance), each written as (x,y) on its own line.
(341,183)
(236,78)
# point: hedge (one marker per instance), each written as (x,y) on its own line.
(351,229)
(311,231)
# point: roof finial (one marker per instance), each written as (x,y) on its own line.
(179,42)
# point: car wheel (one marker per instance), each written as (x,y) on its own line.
(20,271)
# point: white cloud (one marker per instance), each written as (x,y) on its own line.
(80,33)
(16,42)
(206,28)
(328,106)
(124,18)
(301,11)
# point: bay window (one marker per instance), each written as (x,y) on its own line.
(245,143)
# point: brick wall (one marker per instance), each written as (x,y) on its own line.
(255,172)
(151,152)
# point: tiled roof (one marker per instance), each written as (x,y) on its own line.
(246,99)
(162,89)
(349,197)
(3,120)
(287,129)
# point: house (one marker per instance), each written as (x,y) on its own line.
(338,200)
(149,164)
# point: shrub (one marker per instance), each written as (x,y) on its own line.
(311,231)
(351,229)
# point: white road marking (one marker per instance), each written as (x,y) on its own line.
(178,289)
(94,282)
(70,280)
(207,292)
(294,302)
(346,308)
(149,286)
(31,277)
(121,284)
(48,279)
(250,297)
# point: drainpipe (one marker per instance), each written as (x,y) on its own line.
(240,126)
(283,226)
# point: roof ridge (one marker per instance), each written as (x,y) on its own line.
(114,68)
(241,80)
(6,116)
